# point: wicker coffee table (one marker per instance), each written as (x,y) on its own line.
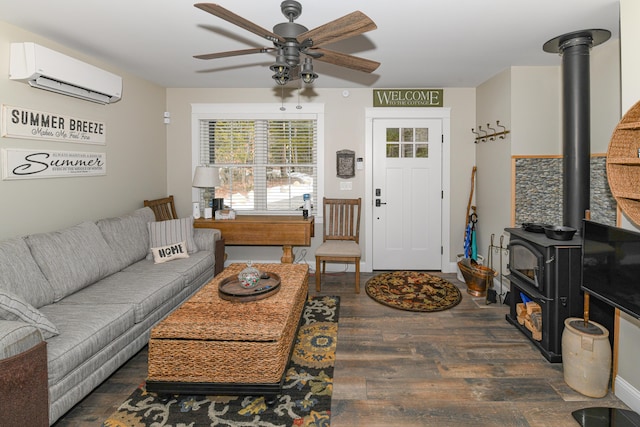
(209,345)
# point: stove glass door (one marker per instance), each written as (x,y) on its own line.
(527,263)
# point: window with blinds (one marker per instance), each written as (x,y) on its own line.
(266,165)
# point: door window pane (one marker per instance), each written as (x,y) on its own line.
(422,150)
(393,135)
(422,134)
(407,134)
(393,150)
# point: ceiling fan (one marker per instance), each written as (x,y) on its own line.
(291,41)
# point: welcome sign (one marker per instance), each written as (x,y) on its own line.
(408,97)
(32,124)
(29,164)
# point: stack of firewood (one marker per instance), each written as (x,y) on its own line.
(529,314)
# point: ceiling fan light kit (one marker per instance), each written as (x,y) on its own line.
(291,40)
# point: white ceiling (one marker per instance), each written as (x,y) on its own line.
(420,43)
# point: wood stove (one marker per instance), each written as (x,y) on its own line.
(547,272)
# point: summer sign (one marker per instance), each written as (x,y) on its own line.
(29,164)
(31,124)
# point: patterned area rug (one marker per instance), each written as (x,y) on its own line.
(307,389)
(413,291)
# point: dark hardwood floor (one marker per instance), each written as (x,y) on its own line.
(462,367)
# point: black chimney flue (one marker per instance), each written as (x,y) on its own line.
(576,132)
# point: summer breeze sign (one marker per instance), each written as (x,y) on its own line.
(31,124)
(407,97)
(28,164)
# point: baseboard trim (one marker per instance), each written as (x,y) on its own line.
(627,393)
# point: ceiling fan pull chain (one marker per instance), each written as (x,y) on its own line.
(282,98)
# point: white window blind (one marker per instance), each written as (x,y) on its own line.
(266,165)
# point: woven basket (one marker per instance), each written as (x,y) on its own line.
(623,164)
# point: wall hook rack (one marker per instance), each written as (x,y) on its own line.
(490,136)
(483,138)
(504,130)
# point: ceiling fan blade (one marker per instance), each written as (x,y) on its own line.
(234,53)
(238,20)
(344,60)
(349,25)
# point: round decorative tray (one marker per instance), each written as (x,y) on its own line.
(231,289)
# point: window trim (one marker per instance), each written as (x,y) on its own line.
(239,111)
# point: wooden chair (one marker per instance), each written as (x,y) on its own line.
(163,209)
(341,236)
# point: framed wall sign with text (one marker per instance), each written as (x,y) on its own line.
(30,164)
(19,122)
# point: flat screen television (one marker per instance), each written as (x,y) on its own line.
(611,265)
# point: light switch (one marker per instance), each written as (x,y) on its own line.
(348,185)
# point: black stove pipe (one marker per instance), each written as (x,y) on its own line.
(576,133)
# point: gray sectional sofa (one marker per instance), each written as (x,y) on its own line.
(92,292)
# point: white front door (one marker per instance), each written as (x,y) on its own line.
(407,186)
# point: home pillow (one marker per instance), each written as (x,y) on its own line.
(169,252)
(163,233)
(13,307)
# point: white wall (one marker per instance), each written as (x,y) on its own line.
(344,129)
(135,149)
(627,381)
(493,159)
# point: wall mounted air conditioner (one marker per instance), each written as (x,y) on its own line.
(50,70)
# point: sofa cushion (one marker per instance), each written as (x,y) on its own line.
(127,236)
(163,233)
(21,275)
(13,307)
(84,330)
(170,252)
(145,213)
(144,292)
(72,258)
(189,268)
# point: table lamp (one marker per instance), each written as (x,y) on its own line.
(207,177)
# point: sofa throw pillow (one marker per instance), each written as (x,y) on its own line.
(13,307)
(169,252)
(163,233)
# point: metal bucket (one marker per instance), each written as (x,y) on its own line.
(477,277)
(460,257)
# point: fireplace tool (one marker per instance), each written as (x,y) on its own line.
(492,294)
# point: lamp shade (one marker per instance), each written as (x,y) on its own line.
(206,177)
